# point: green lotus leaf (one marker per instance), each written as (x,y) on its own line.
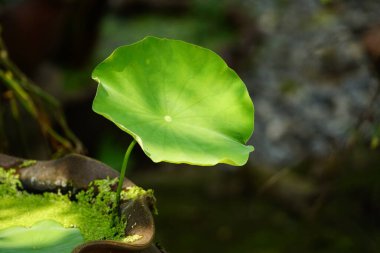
(180,102)
(43,237)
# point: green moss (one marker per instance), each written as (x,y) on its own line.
(9,182)
(27,163)
(135,192)
(92,213)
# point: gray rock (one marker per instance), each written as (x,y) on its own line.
(311,82)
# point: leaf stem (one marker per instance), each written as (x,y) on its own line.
(123,171)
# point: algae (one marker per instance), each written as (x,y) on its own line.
(92,212)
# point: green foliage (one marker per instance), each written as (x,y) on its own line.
(93,213)
(135,192)
(99,195)
(55,238)
(9,182)
(26,100)
(180,102)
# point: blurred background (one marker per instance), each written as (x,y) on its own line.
(312,68)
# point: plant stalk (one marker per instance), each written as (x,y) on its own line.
(123,171)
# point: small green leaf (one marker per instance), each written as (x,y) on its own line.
(181,102)
(46,236)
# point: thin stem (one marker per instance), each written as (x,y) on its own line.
(123,171)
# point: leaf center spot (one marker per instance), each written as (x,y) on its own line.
(167,118)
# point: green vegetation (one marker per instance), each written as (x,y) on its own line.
(185,106)
(176,105)
(55,238)
(9,182)
(92,213)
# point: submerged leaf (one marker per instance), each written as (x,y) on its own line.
(43,237)
(181,102)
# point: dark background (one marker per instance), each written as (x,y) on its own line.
(312,68)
